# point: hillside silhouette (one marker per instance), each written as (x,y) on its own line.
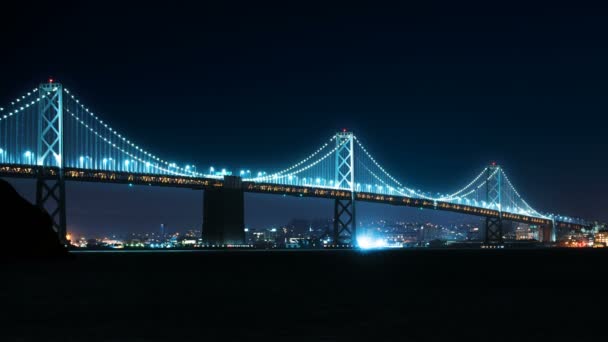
(26,229)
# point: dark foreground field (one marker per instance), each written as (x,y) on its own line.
(410,295)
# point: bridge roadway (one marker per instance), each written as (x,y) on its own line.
(102,176)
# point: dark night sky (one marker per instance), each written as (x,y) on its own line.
(436,91)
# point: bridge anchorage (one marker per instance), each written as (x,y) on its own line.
(49,135)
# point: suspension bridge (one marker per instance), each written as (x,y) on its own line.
(50,135)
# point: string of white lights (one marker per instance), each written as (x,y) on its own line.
(376,163)
(455,194)
(520,197)
(385,172)
(450,198)
(125,140)
(20,99)
(113,145)
(390,187)
(300,162)
(412,191)
(461,197)
(21,108)
(266,178)
(443,198)
(423,196)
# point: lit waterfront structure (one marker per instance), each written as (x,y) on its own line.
(74,143)
(601,237)
(526,232)
(390,235)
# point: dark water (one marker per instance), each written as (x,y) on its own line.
(488,295)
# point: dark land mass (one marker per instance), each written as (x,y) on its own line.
(24,222)
(414,295)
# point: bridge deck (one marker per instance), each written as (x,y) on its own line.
(100,176)
(390,199)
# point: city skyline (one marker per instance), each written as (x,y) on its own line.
(316,234)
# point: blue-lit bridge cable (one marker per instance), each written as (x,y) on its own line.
(125,142)
(118,148)
(19,100)
(388,186)
(18,141)
(373,160)
(472,183)
(525,204)
(298,164)
(275,177)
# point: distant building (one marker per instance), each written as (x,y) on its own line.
(526,232)
(271,235)
(601,237)
(576,240)
(249,238)
(429,232)
(474,233)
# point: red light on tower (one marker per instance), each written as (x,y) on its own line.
(51,80)
(344,130)
(493,163)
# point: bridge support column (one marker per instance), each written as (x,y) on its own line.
(546,233)
(50,196)
(224,213)
(494,233)
(345,226)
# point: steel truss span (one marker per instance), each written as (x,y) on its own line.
(49,134)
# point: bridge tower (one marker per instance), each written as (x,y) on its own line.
(493,231)
(345,225)
(50,183)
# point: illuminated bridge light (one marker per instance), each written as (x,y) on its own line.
(94,145)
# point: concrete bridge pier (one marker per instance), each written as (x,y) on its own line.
(224,213)
(546,233)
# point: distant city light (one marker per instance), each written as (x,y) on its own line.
(366,242)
